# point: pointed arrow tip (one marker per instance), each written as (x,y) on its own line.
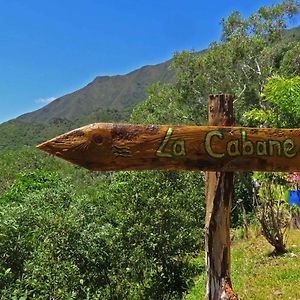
(45,147)
(40,146)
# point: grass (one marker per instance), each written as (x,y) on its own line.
(257,274)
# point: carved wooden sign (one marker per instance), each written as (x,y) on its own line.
(105,146)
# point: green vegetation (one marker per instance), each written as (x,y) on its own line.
(282,96)
(16,134)
(66,233)
(272,210)
(259,275)
(70,234)
(241,64)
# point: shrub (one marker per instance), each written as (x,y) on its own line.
(272,209)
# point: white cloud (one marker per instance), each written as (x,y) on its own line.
(45,100)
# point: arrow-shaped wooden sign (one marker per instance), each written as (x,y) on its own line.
(103,146)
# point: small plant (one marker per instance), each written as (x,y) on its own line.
(272,209)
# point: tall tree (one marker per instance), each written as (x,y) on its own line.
(250,51)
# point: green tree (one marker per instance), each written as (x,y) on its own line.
(160,217)
(134,238)
(250,51)
(267,22)
(280,104)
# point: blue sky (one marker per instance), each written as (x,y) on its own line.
(50,48)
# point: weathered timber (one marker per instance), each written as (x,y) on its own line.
(219,190)
(104,146)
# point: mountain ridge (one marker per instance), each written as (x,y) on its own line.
(106,92)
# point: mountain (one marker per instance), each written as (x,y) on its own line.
(109,94)
(104,93)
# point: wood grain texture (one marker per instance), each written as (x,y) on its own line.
(219,191)
(105,146)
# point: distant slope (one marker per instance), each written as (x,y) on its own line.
(15,134)
(105,92)
(292,34)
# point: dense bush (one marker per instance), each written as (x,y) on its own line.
(131,235)
(161,218)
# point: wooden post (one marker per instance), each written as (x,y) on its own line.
(219,190)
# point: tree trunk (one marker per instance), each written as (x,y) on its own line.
(295,220)
(219,190)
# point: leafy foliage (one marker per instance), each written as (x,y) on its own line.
(159,232)
(282,100)
(267,22)
(281,109)
(242,200)
(68,234)
(251,51)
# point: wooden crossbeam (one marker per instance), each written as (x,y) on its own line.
(111,147)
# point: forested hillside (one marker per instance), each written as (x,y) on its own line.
(66,233)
